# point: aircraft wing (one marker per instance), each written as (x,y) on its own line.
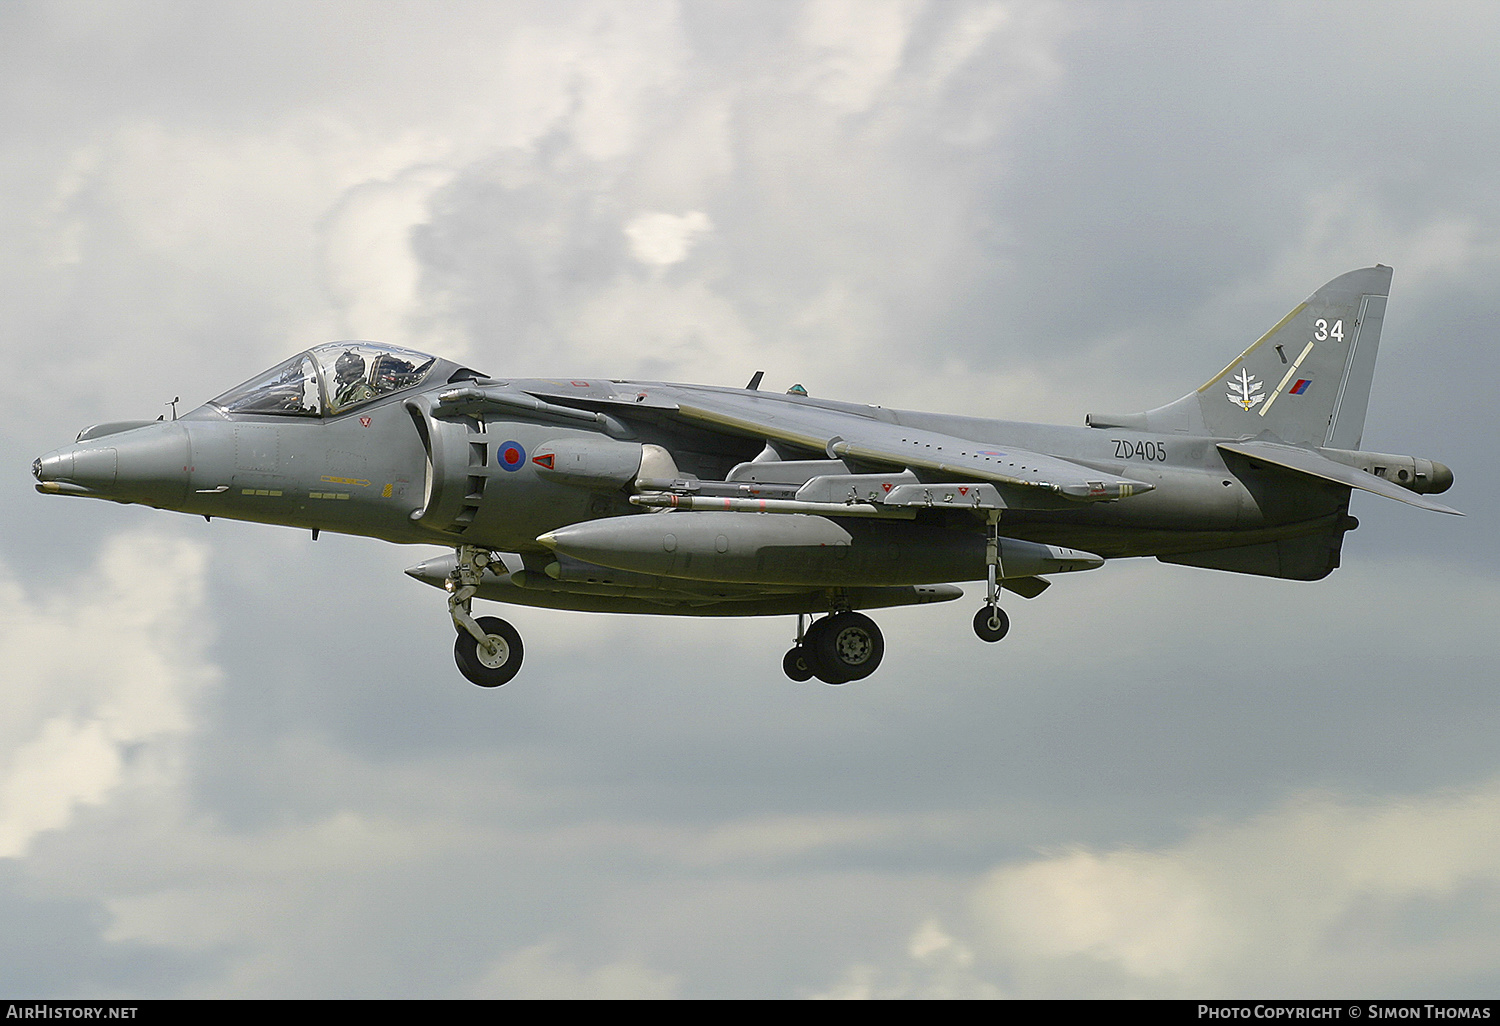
(846,434)
(1305,461)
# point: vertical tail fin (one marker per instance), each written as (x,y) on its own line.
(1306,381)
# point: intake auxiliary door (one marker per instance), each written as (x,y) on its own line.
(456,468)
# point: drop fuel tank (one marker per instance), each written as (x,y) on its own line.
(800,549)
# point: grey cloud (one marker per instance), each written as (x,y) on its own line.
(54,947)
(1094,207)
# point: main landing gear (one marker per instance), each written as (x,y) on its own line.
(845,646)
(488,650)
(836,649)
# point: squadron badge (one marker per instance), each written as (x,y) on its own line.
(1245,391)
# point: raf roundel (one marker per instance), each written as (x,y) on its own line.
(512,457)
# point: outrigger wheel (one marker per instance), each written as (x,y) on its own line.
(794,664)
(494,663)
(991,623)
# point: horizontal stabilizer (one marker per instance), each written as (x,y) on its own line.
(1305,461)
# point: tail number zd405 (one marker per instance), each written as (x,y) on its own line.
(1128,450)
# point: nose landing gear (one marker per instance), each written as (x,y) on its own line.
(488,650)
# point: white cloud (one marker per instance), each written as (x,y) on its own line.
(540,973)
(370,269)
(1273,901)
(661,239)
(1322,895)
(102,671)
(854,47)
(940,968)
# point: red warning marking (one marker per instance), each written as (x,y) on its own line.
(963,491)
(580,384)
(544,460)
(364,422)
(885,485)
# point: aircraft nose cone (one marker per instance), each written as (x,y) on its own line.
(78,470)
(148,464)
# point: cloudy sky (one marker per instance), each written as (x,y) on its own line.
(237,763)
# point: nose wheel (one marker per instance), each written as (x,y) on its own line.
(494,662)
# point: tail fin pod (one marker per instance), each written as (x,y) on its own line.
(1306,381)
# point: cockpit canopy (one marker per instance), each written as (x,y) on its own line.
(329,379)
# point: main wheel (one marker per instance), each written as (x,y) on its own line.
(489,669)
(794,664)
(991,623)
(845,647)
(812,653)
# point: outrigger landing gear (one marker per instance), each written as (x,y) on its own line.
(488,650)
(991,623)
(840,647)
(795,663)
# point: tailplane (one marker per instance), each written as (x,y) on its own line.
(1306,381)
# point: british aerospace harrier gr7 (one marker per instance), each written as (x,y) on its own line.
(648,497)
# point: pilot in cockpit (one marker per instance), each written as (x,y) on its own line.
(349,378)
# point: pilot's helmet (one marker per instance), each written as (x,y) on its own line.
(349,367)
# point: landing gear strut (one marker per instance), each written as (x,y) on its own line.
(488,650)
(991,623)
(838,648)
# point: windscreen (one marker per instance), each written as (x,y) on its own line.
(289,389)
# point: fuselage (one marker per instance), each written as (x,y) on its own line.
(389,469)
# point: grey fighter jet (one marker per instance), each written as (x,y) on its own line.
(693,500)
